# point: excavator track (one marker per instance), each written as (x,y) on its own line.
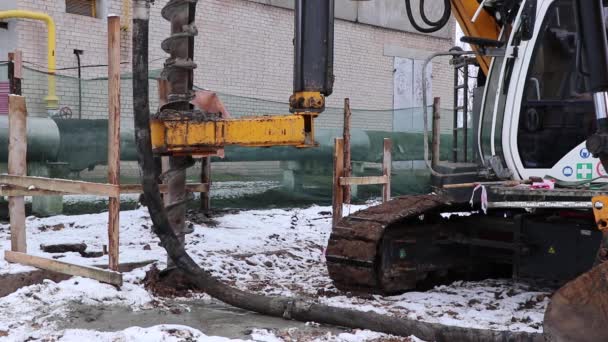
(382,249)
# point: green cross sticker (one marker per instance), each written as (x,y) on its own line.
(584,171)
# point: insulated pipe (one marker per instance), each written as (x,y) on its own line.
(52,101)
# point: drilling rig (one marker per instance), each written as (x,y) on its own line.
(543,113)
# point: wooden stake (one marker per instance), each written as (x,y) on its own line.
(386,169)
(113,137)
(435,145)
(347,156)
(206,179)
(338,196)
(17,165)
(15,73)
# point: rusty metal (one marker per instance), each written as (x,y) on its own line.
(577,311)
(309,102)
(408,243)
(179,72)
(180,134)
(354,252)
(600,211)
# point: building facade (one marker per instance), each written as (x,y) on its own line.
(243,51)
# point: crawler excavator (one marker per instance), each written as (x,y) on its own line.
(542,112)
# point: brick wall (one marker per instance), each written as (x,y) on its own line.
(244,48)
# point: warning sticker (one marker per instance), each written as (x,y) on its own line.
(599,168)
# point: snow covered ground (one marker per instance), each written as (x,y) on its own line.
(266,251)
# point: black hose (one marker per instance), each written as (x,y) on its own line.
(434,26)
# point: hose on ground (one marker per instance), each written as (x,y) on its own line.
(285,307)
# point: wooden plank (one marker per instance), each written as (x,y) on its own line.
(61,185)
(338,196)
(347,156)
(386,169)
(105,276)
(205,179)
(17,165)
(368,180)
(113,137)
(435,145)
(14,281)
(6,190)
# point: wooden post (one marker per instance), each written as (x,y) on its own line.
(15,72)
(347,156)
(113,136)
(386,169)
(17,165)
(338,196)
(206,178)
(435,145)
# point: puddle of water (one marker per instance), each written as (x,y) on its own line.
(211,317)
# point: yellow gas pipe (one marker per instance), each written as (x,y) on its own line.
(52,101)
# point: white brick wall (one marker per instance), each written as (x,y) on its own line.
(243,48)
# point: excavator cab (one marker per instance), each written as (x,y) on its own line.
(537,109)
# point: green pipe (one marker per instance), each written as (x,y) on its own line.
(42,139)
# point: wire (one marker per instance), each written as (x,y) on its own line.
(434,26)
(88,66)
(76,67)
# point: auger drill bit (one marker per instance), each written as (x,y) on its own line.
(179,72)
